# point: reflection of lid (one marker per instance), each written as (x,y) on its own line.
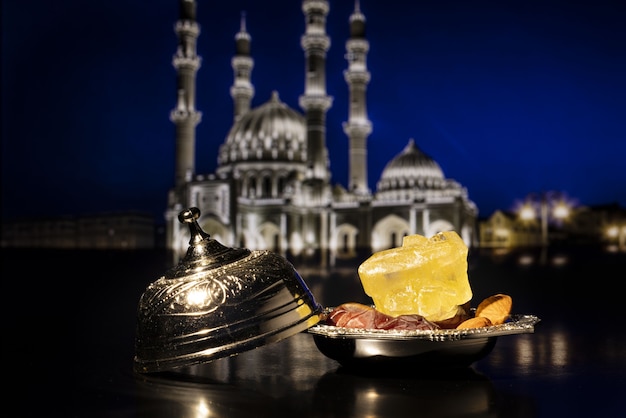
(219,301)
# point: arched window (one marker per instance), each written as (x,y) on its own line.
(267,186)
(276,245)
(252,187)
(394,240)
(281,185)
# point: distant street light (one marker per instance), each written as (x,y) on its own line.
(617,233)
(551,206)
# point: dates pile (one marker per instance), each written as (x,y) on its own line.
(357,315)
(493,310)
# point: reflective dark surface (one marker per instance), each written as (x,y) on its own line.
(70,327)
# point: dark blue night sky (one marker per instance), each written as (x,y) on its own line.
(509,97)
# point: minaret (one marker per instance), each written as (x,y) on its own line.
(242,90)
(186,62)
(314,101)
(358,126)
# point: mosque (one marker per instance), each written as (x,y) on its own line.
(272,186)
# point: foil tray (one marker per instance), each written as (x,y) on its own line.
(441,348)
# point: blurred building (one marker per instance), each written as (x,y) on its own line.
(600,224)
(504,229)
(125,231)
(272,186)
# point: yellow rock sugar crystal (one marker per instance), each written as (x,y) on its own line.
(425,276)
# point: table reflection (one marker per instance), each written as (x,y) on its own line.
(291,378)
(169,395)
(463,392)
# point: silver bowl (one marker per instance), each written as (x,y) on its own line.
(436,349)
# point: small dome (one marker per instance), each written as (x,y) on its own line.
(411,168)
(270,132)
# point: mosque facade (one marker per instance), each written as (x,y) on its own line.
(272,186)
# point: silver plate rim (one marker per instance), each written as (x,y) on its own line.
(517,324)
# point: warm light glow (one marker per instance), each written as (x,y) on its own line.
(553,206)
(526,260)
(197,297)
(527,212)
(502,234)
(524,353)
(617,237)
(202,409)
(559,260)
(297,245)
(558,350)
(561,210)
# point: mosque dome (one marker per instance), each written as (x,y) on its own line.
(270,132)
(411,169)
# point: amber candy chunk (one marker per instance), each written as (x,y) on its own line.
(425,276)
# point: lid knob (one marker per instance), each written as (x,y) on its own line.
(204,253)
(190,216)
